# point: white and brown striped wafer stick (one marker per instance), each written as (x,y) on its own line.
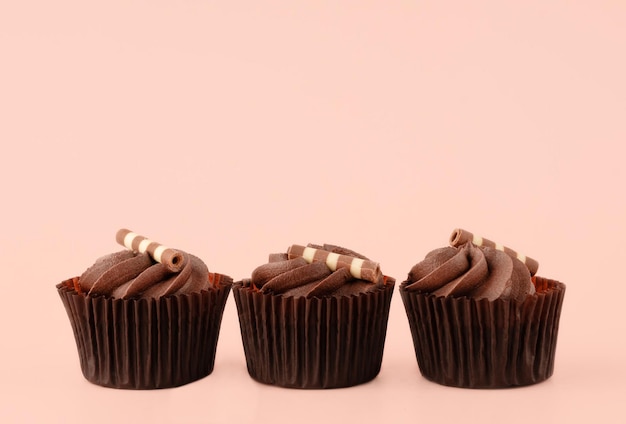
(171,258)
(359,268)
(460,236)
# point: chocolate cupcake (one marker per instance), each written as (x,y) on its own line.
(314,318)
(145,318)
(479,316)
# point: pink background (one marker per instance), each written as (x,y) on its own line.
(234,130)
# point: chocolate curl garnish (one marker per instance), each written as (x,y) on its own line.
(359,268)
(171,258)
(460,236)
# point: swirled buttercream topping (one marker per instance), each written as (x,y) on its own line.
(472,271)
(295,275)
(129,274)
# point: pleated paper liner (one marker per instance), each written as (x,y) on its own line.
(463,342)
(146,343)
(317,343)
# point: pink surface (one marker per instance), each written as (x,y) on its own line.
(235,130)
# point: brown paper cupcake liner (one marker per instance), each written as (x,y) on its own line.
(464,342)
(146,343)
(316,343)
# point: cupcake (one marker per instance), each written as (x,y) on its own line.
(147,317)
(480,317)
(314,318)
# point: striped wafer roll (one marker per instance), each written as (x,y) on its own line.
(171,258)
(460,236)
(359,268)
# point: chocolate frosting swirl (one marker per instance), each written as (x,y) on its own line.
(472,271)
(128,274)
(296,277)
